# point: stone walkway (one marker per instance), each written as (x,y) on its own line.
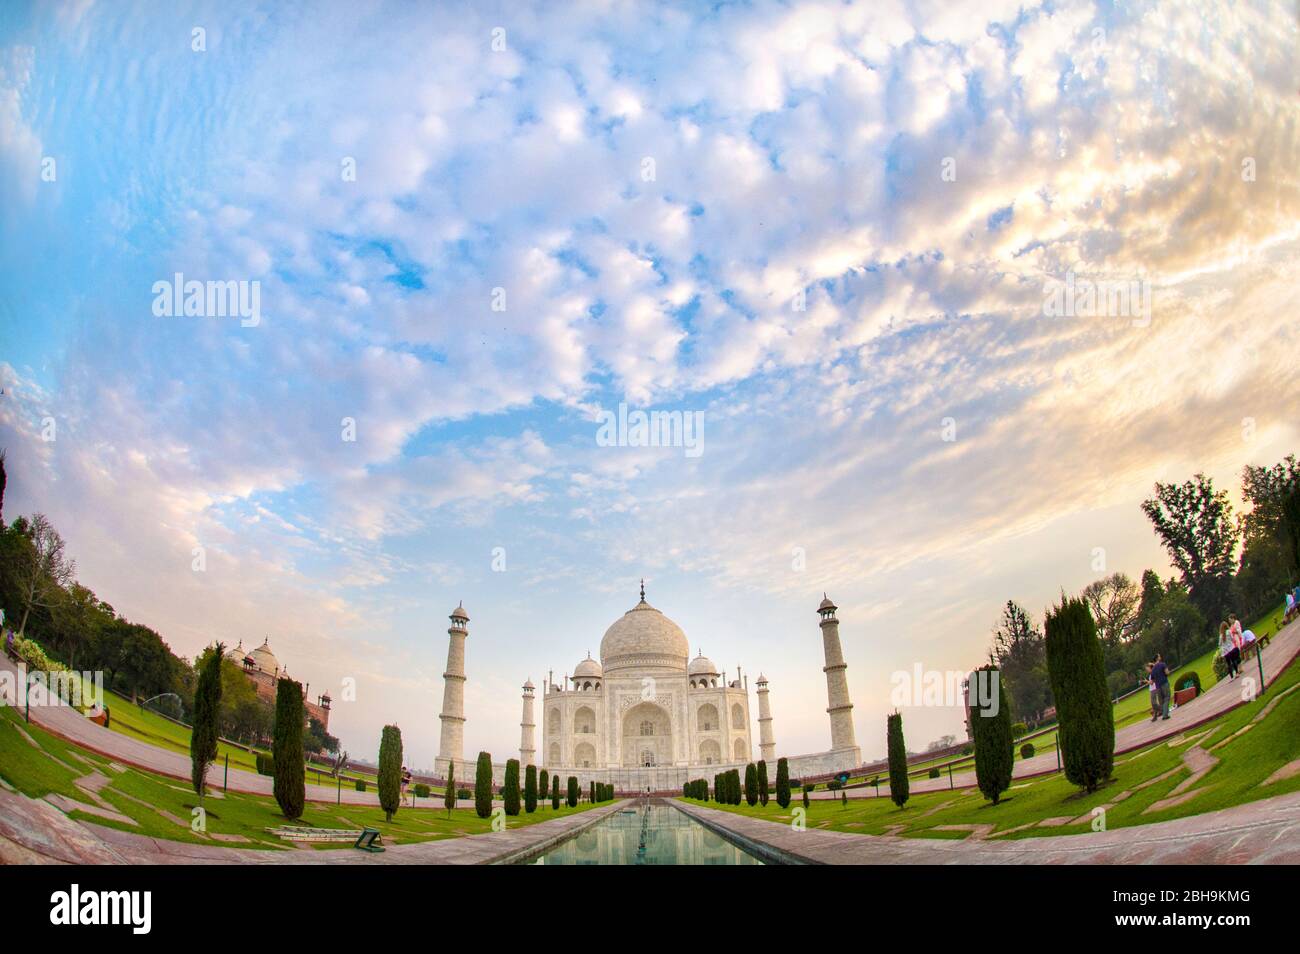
(1218,699)
(33,831)
(1262,832)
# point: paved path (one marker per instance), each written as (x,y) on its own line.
(1262,832)
(34,832)
(1218,699)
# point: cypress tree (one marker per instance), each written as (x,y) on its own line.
(555,791)
(737,790)
(991,733)
(762,782)
(717,791)
(751,784)
(805,796)
(510,789)
(530,789)
(573,791)
(591,797)
(783,783)
(449,796)
(543,784)
(898,787)
(1077,669)
(207,708)
(290,767)
(483,785)
(390,770)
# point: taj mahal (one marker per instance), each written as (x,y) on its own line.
(647,715)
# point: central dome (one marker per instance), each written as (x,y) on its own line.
(643,636)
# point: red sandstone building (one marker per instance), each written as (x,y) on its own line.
(264,671)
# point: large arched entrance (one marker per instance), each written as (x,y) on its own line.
(647,736)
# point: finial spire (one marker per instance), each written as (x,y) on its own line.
(643,589)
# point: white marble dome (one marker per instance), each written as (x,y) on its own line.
(264,660)
(588,667)
(643,636)
(702,665)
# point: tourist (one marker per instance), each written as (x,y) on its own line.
(1160,676)
(1155,696)
(1228,650)
(9,645)
(1290,606)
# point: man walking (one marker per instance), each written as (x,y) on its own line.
(1160,676)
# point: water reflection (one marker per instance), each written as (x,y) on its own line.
(671,838)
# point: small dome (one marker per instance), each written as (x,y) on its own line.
(702,665)
(529,685)
(762,679)
(264,660)
(588,667)
(826,604)
(459,613)
(237,654)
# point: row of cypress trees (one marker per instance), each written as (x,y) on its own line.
(728,789)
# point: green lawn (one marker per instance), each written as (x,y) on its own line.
(1244,764)
(55,765)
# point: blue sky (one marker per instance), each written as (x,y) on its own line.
(797,149)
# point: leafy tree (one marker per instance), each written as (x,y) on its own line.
(555,791)
(203,735)
(898,785)
(1262,574)
(483,785)
(318,739)
(290,770)
(1274,496)
(994,745)
(573,791)
(530,789)
(762,782)
(543,784)
(1153,591)
(390,770)
(1113,601)
(449,795)
(46,570)
(1175,629)
(783,783)
(1018,653)
(1194,523)
(1086,732)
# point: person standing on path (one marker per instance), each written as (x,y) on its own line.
(1155,696)
(1227,650)
(1160,676)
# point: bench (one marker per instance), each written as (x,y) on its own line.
(1184,696)
(296,833)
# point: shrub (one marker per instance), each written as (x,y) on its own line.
(510,788)
(783,783)
(573,791)
(1220,667)
(463,793)
(1027,750)
(207,708)
(421,790)
(1017,730)
(1076,666)
(265,764)
(390,770)
(290,769)
(1188,680)
(934,772)
(763,793)
(483,785)
(751,784)
(530,789)
(967,749)
(992,732)
(806,790)
(360,785)
(898,785)
(834,785)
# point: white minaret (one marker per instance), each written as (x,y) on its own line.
(453,692)
(837,683)
(766,744)
(527,753)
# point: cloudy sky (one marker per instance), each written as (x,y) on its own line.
(830,228)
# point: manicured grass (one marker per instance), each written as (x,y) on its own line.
(1244,764)
(53,765)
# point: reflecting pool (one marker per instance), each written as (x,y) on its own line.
(657,834)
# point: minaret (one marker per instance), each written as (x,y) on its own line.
(527,752)
(766,744)
(453,692)
(837,683)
